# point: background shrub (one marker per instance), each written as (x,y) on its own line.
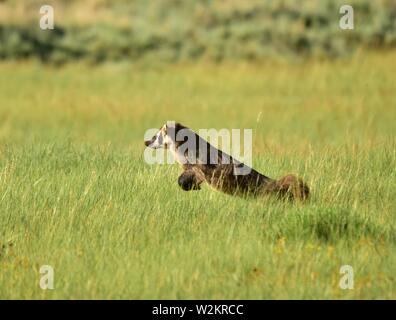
(173,30)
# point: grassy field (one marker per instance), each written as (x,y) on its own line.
(76,194)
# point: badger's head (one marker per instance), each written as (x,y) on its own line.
(165,137)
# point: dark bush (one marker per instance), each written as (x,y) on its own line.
(172,30)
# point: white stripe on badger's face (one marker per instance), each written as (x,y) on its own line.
(160,140)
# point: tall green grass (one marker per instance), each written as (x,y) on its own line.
(76,194)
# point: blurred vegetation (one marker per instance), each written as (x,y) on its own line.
(180,30)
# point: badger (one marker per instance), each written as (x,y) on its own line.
(203,163)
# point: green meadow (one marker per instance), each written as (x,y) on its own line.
(76,193)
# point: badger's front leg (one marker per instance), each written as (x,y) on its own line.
(188,180)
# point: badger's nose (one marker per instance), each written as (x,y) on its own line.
(147,143)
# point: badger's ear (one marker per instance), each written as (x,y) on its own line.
(179,126)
